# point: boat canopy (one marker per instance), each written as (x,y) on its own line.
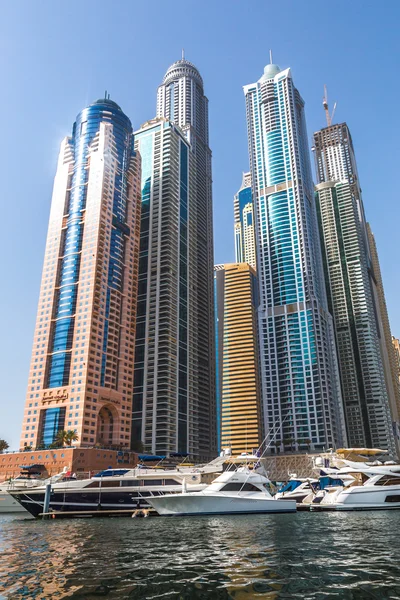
(149,457)
(112,472)
(364,451)
(290,486)
(327,481)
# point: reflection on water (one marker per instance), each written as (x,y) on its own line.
(354,556)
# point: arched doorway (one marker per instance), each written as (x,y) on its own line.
(105,426)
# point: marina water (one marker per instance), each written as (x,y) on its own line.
(353,556)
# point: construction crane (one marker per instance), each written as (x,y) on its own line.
(329,118)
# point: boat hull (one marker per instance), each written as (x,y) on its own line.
(362,498)
(9,505)
(197,504)
(108,502)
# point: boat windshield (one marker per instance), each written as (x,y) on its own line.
(325,482)
(290,486)
(112,472)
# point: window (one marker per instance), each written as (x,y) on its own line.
(388,480)
(393,498)
(239,487)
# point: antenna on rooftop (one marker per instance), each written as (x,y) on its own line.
(329,118)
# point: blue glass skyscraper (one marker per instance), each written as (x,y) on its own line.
(300,382)
(81,375)
(245,246)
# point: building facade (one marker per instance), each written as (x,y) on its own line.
(300,381)
(351,290)
(396,347)
(245,242)
(81,373)
(168,407)
(181,100)
(84,462)
(385,338)
(238,378)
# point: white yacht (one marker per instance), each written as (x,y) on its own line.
(117,492)
(297,488)
(373,487)
(7,503)
(27,480)
(241,491)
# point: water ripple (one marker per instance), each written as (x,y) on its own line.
(351,556)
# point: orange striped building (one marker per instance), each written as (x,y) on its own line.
(238,379)
(81,373)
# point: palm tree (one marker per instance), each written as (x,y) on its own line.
(71,436)
(3,445)
(66,438)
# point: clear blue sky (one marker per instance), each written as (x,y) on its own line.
(57,57)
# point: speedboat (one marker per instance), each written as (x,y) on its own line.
(240,491)
(297,488)
(116,492)
(373,487)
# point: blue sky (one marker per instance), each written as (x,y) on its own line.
(57,57)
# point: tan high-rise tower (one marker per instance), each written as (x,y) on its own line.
(81,374)
(238,378)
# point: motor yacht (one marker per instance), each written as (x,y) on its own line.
(117,492)
(373,487)
(28,479)
(297,488)
(329,483)
(7,503)
(240,491)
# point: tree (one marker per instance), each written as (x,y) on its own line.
(66,438)
(137,446)
(3,445)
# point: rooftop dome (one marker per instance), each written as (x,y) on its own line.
(108,102)
(270,71)
(182,68)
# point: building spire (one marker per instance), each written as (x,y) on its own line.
(270,57)
(183,53)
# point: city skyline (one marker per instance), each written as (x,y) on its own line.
(55,117)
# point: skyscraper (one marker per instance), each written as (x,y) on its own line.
(396,347)
(181,100)
(238,376)
(300,383)
(351,288)
(81,374)
(166,417)
(174,399)
(385,337)
(245,243)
